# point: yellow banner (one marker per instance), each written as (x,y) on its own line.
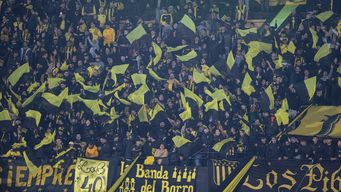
(91,175)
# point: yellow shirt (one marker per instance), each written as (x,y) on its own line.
(96,33)
(109,35)
(101,19)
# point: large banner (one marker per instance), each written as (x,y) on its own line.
(94,175)
(15,176)
(281,175)
(145,178)
(91,175)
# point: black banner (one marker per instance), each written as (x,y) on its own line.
(15,176)
(145,178)
(281,175)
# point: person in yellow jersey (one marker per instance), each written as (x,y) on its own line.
(108,36)
(101,17)
(96,33)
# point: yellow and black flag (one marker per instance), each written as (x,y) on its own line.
(247,86)
(32,118)
(223,145)
(180,141)
(56,100)
(321,121)
(267,99)
(18,73)
(5,118)
(236,179)
(306,89)
(136,34)
(186,28)
(189,59)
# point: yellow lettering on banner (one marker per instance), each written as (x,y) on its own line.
(139,171)
(268,179)
(10,176)
(325,184)
(19,175)
(334,180)
(312,176)
(57,176)
(68,175)
(47,172)
(37,177)
(254,187)
(175,188)
(288,175)
(151,173)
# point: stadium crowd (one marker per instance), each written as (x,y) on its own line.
(59,39)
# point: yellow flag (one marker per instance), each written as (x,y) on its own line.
(279,62)
(249,60)
(260,46)
(31,98)
(322,52)
(72,98)
(137,96)
(139,78)
(118,88)
(172,49)
(314,36)
(217,147)
(214,71)
(282,117)
(212,105)
(121,100)
(142,114)
(119,69)
(136,34)
(188,93)
(324,16)
(285,104)
(5,116)
(158,108)
(188,22)
(93,105)
(79,78)
(339,81)
(56,100)
(230,60)
(49,138)
(218,94)
(180,141)
(12,107)
(310,86)
(244,32)
(199,77)
(271,97)
(64,66)
(246,85)
(54,82)
(190,55)
(158,53)
(91,88)
(291,47)
(32,87)
(154,75)
(187,114)
(36,115)
(18,73)
(33,169)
